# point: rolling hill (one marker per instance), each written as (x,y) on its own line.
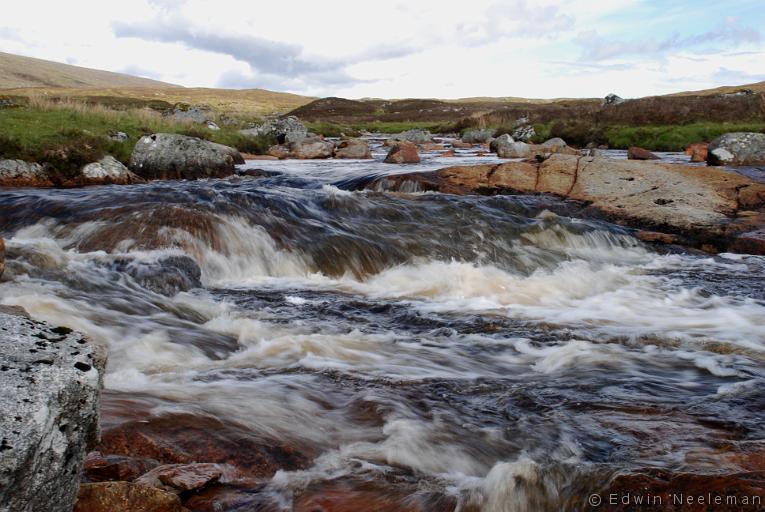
(17,72)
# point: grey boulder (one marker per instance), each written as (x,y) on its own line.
(169,156)
(737,148)
(478,136)
(51,381)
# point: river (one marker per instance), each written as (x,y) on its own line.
(491,352)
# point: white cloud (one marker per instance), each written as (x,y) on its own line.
(433,48)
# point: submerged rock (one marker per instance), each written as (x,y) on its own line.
(51,380)
(738,148)
(18,173)
(127,496)
(353,148)
(2,256)
(166,276)
(103,468)
(636,153)
(403,153)
(183,477)
(169,156)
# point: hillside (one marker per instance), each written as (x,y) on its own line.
(17,71)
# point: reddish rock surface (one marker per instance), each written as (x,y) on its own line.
(183,477)
(353,148)
(661,490)
(711,208)
(458,144)
(125,496)
(187,438)
(447,153)
(698,152)
(100,468)
(403,153)
(636,153)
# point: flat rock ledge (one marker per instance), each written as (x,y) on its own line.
(50,379)
(713,209)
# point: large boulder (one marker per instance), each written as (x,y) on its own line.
(555,142)
(514,150)
(503,140)
(169,156)
(478,136)
(738,148)
(636,153)
(312,147)
(403,153)
(107,171)
(415,135)
(18,173)
(285,130)
(51,381)
(612,99)
(353,148)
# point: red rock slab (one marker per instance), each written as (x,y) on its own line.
(188,438)
(636,153)
(403,153)
(100,468)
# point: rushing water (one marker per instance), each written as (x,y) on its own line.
(493,349)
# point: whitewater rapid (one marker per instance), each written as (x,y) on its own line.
(494,347)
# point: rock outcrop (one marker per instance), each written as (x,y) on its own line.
(51,380)
(403,153)
(612,99)
(307,148)
(415,135)
(636,153)
(716,207)
(506,147)
(168,156)
(199,114)
(503,140)
(353,148)
(285,130)
(738,148)
(18,173)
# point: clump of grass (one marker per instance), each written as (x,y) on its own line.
(673,137)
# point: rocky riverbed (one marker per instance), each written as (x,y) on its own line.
(354,335)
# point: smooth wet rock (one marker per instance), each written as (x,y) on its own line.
(169,156)
(104,468)
(126,496)
(18,173)
(188,438)
(51,380)
(183,477)
(353,148)
(478,136)
(403,153)
(108,171)
(167,276)
(698,151)
(711,208)
(738,148)
(636,153)
(2,256)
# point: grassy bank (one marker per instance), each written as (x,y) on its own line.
(69,134)
(656,138)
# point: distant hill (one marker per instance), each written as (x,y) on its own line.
(17,71)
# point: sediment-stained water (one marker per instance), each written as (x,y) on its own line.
(425,351)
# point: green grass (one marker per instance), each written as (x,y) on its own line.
(675,137)
(70,135)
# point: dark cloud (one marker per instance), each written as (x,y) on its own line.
(731,34)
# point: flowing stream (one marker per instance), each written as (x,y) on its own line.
(489,349)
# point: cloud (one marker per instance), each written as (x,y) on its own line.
(730,33)
(140,71)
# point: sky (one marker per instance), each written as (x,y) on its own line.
(399,49)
